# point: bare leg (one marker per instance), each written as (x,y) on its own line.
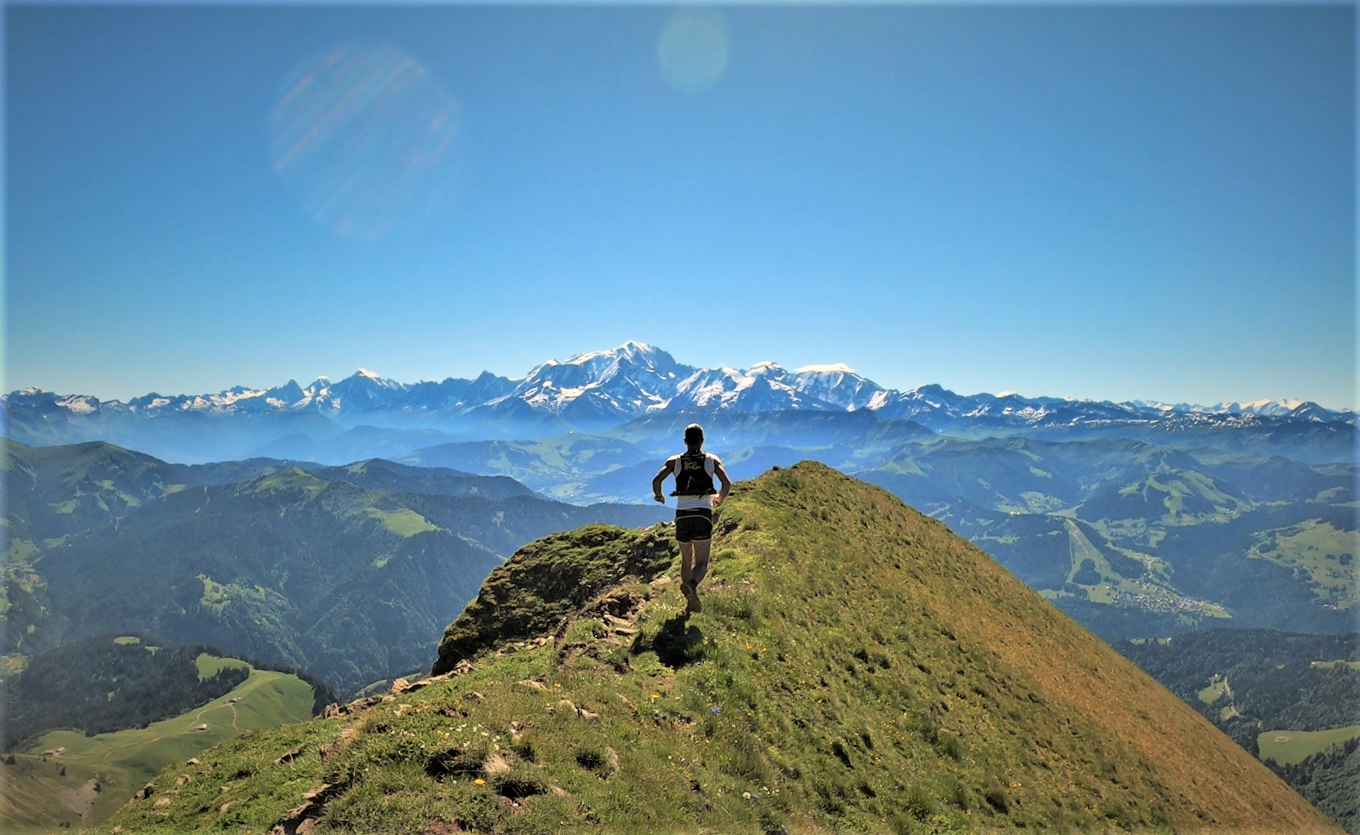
(700,569)
(687,563)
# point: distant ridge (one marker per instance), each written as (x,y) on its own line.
(592,392)
(635,379)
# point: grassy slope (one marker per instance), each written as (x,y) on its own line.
(37,796)
(857,668)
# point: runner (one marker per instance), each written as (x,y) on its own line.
(695,499)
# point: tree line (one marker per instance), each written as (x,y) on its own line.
(1275,684)
(99,685)
(1328,780)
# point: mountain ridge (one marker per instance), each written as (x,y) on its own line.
(896,680)
(329,568)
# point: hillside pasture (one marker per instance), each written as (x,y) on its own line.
(1290,747)
(210,665)
(38,796)
(1217,689)
(1321,550)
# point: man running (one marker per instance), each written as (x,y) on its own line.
(694,502)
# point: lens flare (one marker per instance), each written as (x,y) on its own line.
(361,136)
(693,48)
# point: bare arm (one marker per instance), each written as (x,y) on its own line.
(723,479)
(666,469)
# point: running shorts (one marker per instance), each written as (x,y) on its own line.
(693,524)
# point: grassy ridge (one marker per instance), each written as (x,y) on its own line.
(38,795)
(856,668)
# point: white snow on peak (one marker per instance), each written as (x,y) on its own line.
(628,348)
(828,368)
(1286,403)
(230,396)
(78,404)
(372,375)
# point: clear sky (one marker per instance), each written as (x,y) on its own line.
(1108,202)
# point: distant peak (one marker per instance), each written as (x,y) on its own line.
(630,348)
(364,372)
(828,368)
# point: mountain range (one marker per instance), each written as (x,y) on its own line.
(347,572)
(1138,518)
(591,392)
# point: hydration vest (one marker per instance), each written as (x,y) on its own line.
(694,474)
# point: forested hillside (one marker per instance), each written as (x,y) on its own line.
(347,572)
(1257,683)
(104,684)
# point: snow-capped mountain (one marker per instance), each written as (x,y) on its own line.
(837,384)
(600,389)
(613,385)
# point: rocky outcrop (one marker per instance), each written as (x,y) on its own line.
(544,583)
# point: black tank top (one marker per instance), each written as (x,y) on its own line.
(693,478)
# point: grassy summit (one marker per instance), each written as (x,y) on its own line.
(857,668)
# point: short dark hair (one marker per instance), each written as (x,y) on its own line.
(694,434)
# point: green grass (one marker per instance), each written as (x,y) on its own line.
(1217,689)
(217,596)
(402,522)
(38,796)
(1325,552)
(291,479)
(1290,747)
(211,665)
(856,668)
(1354,665)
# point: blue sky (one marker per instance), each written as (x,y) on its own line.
(1134,202)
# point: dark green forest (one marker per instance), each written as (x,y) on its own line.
(99,685)
(1277,680)
(1330,781)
